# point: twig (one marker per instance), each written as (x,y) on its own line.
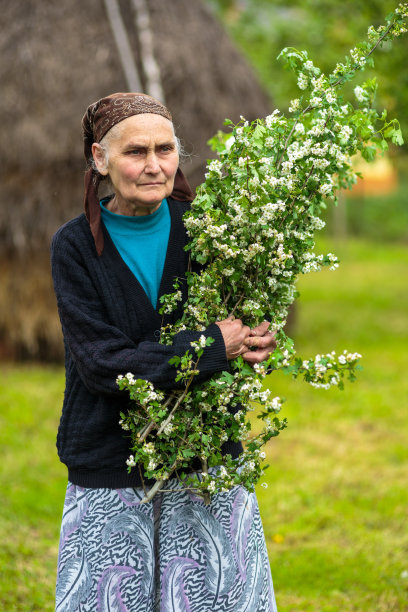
(379,41)
(148,428)
(142,479)
(236,305)
(158,485)
(278,163)
(302,187)
(204,468)
(225,302)
(176,405)
(247,167)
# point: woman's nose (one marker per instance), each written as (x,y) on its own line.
(152,163)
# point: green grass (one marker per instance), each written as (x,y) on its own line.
(32,486)
(381,217)
(335,511)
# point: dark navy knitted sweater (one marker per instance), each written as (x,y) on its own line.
(110,327)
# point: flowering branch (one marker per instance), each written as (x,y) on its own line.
(252,227)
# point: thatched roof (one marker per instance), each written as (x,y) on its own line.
(58,57)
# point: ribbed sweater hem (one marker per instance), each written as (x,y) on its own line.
(106,479)
(111,478)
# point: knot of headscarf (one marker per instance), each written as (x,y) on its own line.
(99,118)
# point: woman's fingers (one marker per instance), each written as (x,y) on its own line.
(234,333)
(261,329)
(253,357)
(262,342)
(238,338)
(261,346)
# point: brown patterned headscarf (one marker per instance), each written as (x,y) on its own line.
(99,118)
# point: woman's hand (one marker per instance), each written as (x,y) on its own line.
(262,341)
(235,334)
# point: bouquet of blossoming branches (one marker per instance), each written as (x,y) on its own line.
(252,224)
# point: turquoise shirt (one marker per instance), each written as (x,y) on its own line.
(142,243)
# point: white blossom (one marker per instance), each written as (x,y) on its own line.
(124,425)
(130,462)
(302,81)
(271,119)
(346,132)
(211,486)
(316,101)
(360,94)
(294,105)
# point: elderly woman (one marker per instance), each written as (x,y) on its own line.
(110,266)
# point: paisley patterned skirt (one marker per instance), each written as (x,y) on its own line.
(174,554)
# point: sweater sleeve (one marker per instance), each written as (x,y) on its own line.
(102,351)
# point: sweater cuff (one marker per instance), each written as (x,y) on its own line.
(214,358)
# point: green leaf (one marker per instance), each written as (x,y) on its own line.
(227,377)
(389,131)
(175,360)
(397,137)
(258,134)
(368,153)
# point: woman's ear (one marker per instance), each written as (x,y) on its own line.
(99,157)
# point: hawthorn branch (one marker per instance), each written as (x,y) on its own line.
(152,424)
(356,66)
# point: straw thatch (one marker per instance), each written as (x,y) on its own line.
(55,59)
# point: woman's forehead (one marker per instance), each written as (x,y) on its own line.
(145,126)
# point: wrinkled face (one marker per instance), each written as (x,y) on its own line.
(142,162)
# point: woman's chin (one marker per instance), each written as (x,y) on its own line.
(143,207)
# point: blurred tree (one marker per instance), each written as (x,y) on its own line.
(327,29)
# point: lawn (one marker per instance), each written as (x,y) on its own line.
(335,511)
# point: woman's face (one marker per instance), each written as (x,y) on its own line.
(142,162)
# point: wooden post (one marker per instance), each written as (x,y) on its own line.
(122,43)
(150,66)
